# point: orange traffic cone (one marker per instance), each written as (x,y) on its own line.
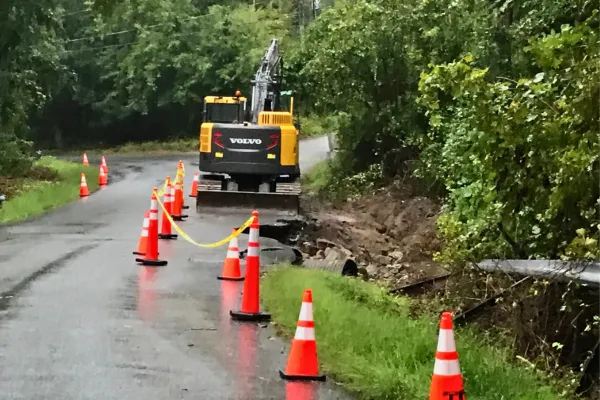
(302,362)
(251,295)
(151,256)
(83,188)
(165,230)
(177,204)
(447,382)
(180,173)
(231,267)
(102,179)
(103,165)
(143,242)
(181,200)
(194,192)
(85,160)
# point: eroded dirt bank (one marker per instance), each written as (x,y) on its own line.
(390,234)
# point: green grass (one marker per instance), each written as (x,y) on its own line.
(315,181)
(182,145)
(367,341)
(315,125)
(38,196)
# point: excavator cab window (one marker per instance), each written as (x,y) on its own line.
(223,112)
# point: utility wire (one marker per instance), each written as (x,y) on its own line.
(132,30)
(87,10)
(122,44)
(136,29)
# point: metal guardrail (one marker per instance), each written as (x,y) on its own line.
(585,273)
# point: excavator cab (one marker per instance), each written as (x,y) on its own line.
(224,109)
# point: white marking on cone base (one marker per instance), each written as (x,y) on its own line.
(446,340)
(153,206)
(253,251)
(446,367)
(146,223)
(145,233)
(306,312)
(304,333)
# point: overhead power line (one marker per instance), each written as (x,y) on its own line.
(176,35)
(132,30)
(87,10)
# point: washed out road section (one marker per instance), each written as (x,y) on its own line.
(80,320)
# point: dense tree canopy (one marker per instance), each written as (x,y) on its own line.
(105,71)
(143,68)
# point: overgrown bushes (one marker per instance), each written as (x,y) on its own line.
(519,158)
(503,110)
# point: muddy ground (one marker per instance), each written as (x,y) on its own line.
(390,233)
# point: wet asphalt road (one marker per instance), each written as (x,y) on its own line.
(79,319)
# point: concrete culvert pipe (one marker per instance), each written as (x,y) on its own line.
(347,267)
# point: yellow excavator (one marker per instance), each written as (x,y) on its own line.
(249,156)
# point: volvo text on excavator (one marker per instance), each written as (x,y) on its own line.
(249,156)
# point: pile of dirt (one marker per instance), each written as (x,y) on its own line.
(391,234)
(43,173)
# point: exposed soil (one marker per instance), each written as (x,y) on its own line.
(390,234)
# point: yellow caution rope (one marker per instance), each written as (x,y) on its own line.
(162,191)
(178,178)
(189,239)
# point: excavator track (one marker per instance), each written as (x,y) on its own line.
(285,199)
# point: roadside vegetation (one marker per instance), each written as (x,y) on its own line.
(493,108)
(47,184)
(502,112)
(154,147)
(368,341)
(316,179)
(315,125)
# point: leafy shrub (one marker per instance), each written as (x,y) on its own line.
(15,156)
(519,158)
